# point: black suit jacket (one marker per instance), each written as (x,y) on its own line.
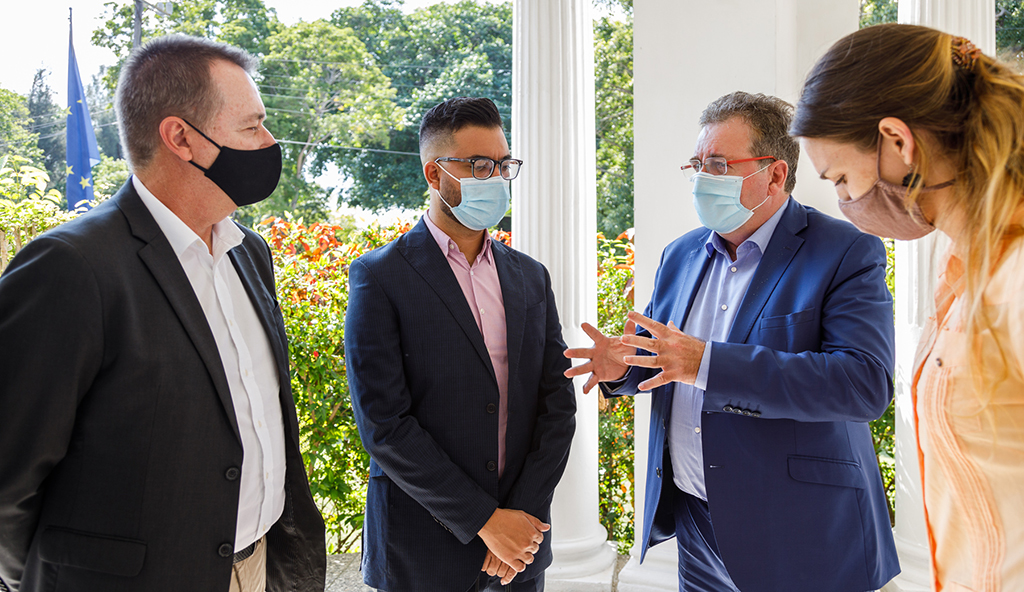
(119,449)
(425,398)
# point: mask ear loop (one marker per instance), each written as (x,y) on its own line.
(767,197)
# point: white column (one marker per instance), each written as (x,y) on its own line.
(916,271)
(688,53)
(554,218)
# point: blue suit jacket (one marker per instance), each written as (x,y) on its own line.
(793,485)
(425,396)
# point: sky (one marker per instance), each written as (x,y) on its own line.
(34,34)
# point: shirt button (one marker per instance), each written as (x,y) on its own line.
(492,466)
(451,246)
(732,269)
(259,423)
(481,310)
(268,475)
(938,361)
(725,307)
(697,430)
(231,322)
(245,372)
(226,550)
(471,274)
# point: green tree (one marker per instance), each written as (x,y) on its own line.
(432,54)
(876,12)
(321,87)
(101,109)
(16,134)
(50,121)
(613,65)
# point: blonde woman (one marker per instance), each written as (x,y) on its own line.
(919,130)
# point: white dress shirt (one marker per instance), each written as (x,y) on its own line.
(248,362)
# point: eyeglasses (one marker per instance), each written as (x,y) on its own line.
(483,167)
(716,165)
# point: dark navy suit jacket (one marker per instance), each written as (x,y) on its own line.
(793,485)
(425,399)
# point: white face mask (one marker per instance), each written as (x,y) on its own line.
(717,201)
(484,201)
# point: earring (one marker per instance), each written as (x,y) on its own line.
(912,179)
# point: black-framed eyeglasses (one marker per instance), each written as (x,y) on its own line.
(717,165)
(483,167)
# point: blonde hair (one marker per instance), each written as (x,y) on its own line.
(970,105)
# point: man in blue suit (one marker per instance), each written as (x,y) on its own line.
(455,369)
(761,462)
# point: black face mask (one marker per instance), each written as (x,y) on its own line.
(246,176)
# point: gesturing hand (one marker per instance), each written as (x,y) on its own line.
(604,360)
(513,536)
(676,353)
(496,567)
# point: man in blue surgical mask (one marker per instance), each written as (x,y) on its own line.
(455,369)
(768,344)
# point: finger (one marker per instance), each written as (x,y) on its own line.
(630,327)
(504,571)
(592,332)
(644,343)
(537,523)
(579,352)
(517,565)
(653,383)
(643,361)
(580,370)
(657,329)
(591,382)
(528,559)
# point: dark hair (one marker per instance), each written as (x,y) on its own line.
(167,76)
(768,118)
(448,117)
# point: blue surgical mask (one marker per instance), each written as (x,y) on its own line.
(484,201)
(717,201)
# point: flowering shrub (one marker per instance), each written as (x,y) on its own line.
(27,209)
(615,420)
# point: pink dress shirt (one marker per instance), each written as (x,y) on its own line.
(482,290)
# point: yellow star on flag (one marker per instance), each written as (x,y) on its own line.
(84,182)
(70,172)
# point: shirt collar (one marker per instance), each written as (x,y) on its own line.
(446,244)
(760,239)
(226,235)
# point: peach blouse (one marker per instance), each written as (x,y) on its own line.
(970,447)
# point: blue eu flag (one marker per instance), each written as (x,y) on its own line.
(83,153)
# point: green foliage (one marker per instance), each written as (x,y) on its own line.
(101,109)
(883,429)
(108,176)
(16,135)
(876,12)
(27,207)
(613,65)
(434,53)
(615,420)
(49,121)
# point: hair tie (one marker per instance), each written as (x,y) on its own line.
(965,54)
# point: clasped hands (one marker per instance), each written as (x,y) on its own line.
(674,352)
(512,537)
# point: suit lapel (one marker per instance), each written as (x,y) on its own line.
(510,275)
(690,280)
(159,258)
(424,256)
(781,249)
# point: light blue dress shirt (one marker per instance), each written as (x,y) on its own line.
(711,317)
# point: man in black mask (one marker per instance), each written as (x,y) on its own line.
(149,438)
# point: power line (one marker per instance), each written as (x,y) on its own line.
(347,148)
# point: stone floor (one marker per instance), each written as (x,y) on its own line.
(343,573)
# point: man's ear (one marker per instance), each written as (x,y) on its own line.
(432,175)
(896,135)
(173,135)
(777,181)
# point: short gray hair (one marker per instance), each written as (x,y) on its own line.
(769,118)
(169,76)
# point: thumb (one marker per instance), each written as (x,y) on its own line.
(542,527)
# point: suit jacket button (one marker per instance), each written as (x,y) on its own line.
(491,408)
(727,409)
(492,466)
(657,472)
(747,413)
(226,550)
(232,473)
(756,414)
(738,411)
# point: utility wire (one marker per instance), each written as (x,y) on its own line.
(317,145)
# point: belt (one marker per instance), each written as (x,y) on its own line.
(244,553)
